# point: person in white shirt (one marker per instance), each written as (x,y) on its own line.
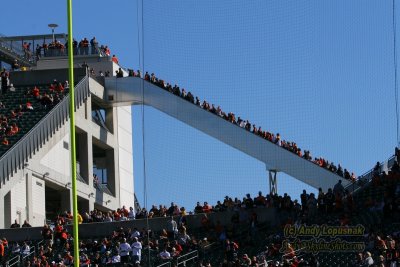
(25,249)
(136,250)
(124,249)
(135,233)
(116,259)
(131,214)
(368,261)
(16,249)
(172,228)
(165,255)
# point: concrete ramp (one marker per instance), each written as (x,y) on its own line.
(135,91)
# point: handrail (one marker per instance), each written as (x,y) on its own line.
(31,251)
(10,262)
(13,47)
(29,144)
(367,176)
(22,60)
(168,263)
(195,254)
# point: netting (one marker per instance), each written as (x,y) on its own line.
(320,74)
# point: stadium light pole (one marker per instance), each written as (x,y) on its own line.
(72,134)
(52,26)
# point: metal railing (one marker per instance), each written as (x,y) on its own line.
(13,159)
(165,264)
(31,252)
(13,46)
(182,260)
(366,178)
(13,261)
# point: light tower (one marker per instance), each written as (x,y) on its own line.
(52,26)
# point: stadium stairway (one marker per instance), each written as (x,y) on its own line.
(129,91)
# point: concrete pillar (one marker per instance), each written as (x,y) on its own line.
(7,210)
(111,158)
(29,208)
(66,200)
(273,185)
(82,146)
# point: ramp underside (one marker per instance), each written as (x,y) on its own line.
(133,91)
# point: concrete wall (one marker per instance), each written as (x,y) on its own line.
(38,201)
(18,202)
(125,155)
(19,78)
(96,230)
(96,63)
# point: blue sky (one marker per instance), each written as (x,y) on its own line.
(318,72)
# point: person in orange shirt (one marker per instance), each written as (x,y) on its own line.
(206,208)
(36,92)
(52,87)
(107,51)
(29,106)
(114,59)
(5,142)
(60,88)
(14,129)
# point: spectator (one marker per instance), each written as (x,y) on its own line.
(4,81)
(94,45)
(172,228)
(25,250)
(124,249)
(11,88)
(136,250)
(165,255)
(1,251)
(15,66)
(5,142)
(68,259)
(368,261)
(119,73)
(338,189)
(15,225)
(26,224)
(114,59)
(16,249)
(84,260)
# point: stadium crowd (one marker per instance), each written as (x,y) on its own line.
(57,48)
(233,243)
(10,116)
